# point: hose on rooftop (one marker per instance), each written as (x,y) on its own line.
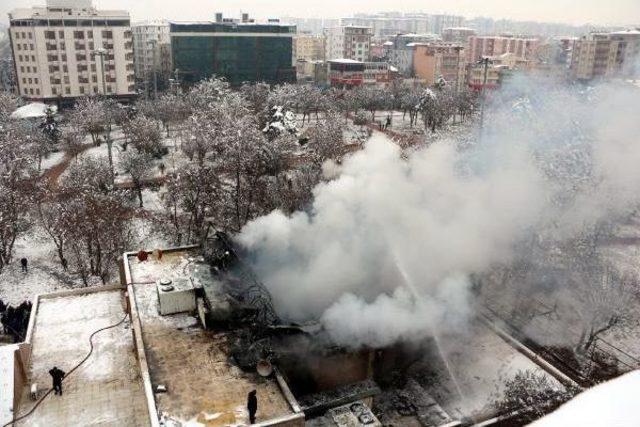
(115,325)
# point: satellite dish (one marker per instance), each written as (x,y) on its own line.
(264,368)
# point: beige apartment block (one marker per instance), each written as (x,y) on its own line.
(69,49)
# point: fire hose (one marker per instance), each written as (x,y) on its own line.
(115,325)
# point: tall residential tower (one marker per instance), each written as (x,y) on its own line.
(69,49)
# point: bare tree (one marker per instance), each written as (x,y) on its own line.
(530,395)
(137,164)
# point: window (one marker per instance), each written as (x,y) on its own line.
(54,90)
(67,90)
(62,46)
(24,80)
(95,89)
(81,57)
(35,80)
(31,47)
(30,80)
(64,57)
(90,34)
(22,69)
(82,90)
(17,36)
(93,67)
(28,69)
(91,46)
(33,58)
(25,91)
(66,80)
(31,91)
(37,91)
(61,34)
(19,46)
(35,69)
(94,78)
(30,36)
(24,36)
(52,58)
(107,34)
(78,35)
(65,68)
(54,68)
(109,90)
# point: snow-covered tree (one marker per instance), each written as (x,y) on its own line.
(145,135)
(17,179)
(326,138)
(280,121)
(530,395)
(192,195)
(138,166)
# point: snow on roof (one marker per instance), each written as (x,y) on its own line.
(345,61)
(614,403)
(388,43)
(459,29)
(32,110)
(626,32)
(6,382)
(393,69)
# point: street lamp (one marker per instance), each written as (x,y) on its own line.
(101,52)
(483,61)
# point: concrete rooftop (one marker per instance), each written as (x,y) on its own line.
(194,364)
(106,390)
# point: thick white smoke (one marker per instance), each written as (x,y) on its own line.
(386,250)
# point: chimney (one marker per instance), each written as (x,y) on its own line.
(219,17)
(245,18)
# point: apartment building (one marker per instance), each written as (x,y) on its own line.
(349,73)
(494,76)
(308,47)
(482,46)
(440,22)
(240,51)
(605,55)
(399,50)
(348,42)
(388,24)
(459,35)
(433,62)
(69,49)
(152,54)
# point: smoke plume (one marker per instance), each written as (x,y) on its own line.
(387,249)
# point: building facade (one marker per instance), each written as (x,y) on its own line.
(348,73)
(459,35)
(348,42)
(483,46)
(606,55)
(399,50)
(238,51)
(308,47)
(152,55)
(68,49)
(433,62)
(440,22)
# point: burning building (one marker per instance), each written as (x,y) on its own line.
(209,333)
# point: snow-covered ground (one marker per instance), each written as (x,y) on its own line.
(612,404)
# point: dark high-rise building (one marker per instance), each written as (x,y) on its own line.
(238,51)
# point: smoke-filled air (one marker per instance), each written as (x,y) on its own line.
(390,247)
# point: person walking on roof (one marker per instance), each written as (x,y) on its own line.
(57,375)
(252,406)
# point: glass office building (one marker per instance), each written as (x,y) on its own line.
(240,52)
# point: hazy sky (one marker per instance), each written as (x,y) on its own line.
(615,12)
